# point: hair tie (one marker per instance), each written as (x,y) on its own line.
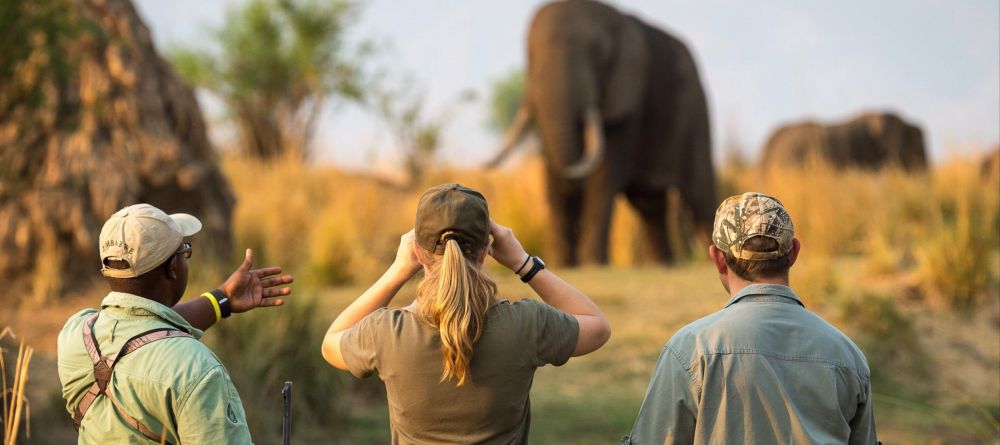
(463,245)
(451,236)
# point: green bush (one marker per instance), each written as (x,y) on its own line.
(263,349)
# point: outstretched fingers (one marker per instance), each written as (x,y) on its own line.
(265,272)
(270,293)
(276,281)
(271,302)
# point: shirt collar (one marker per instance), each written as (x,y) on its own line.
(768,290)
(412,307)
(136,305)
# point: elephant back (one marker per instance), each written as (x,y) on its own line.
(794,144)
(872,141)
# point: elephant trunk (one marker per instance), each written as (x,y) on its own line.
(593,148)
(514,135)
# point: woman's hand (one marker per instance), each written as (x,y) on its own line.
(506,249)
(406,258)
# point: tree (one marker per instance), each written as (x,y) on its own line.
(505,99)
(417,134)
(279,64)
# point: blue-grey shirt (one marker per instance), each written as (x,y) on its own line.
(762,370)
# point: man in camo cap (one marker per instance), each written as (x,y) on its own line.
(763,369)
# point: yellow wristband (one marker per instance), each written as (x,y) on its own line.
(215,305)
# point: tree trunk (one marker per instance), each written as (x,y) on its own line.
(92,119)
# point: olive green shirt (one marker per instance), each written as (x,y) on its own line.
(492,406)
(763,370)
(175,384)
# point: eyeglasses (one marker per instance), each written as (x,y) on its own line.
(185,250)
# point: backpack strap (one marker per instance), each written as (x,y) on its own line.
(103,367)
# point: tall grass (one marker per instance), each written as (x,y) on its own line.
(263,349)
(13,404)
(936,233)
(328,225)
(956,260)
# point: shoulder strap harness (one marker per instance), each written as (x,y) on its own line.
(103,367)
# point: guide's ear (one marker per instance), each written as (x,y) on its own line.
(171,269)
(794,253)
(718,258)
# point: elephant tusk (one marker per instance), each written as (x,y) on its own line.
(514,135)
(593,148)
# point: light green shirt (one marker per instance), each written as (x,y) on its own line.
(763,370)
(175,384)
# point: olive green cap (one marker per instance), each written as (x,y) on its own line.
(449,211)
(751,214)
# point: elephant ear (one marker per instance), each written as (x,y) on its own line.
(627,73)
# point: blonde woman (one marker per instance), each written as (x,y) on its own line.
(458,363)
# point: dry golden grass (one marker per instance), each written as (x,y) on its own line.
(872,241)
(936,232)
(13,404)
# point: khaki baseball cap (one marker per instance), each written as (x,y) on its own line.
(751,214)
(452,211)
(140,237)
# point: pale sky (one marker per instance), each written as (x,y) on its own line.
(763,63)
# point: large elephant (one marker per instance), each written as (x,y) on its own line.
(619,108)
(870,141)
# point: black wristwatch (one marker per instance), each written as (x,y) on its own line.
(536,265)
(224,307)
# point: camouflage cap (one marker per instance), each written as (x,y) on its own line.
(450,211)
(745,216)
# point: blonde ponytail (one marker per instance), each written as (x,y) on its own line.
(455,295)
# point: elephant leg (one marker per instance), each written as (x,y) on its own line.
(652,207)
(595,226)
(564,217)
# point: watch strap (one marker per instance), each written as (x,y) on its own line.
(536,266)
(525,263)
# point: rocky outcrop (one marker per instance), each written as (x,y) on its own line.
(92,119)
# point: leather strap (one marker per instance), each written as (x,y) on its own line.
(104,366)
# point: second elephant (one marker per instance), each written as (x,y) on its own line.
(870,141)
(619,108)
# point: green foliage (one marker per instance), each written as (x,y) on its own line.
(263,349)
(416,131)
(887,336)
(505,99)
(279,63)
(38,53)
